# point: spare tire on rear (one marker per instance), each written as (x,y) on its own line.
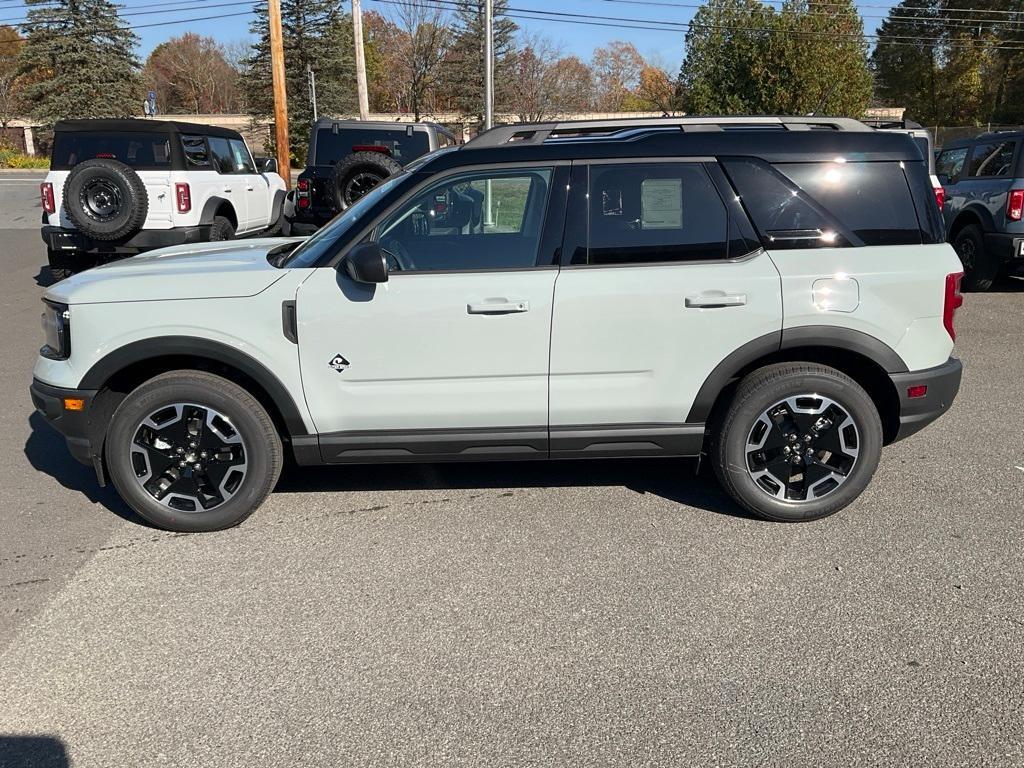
(357,174)
(106,199)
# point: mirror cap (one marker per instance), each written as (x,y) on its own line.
(365,263)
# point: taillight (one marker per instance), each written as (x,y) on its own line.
(940,196)
(1015,204)
(183,195)
(303,202)
(303,186)
(46,193)
(953,301)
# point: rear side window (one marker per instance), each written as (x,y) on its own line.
(647,212)
(196,154)
(332,147)
(994,158)
(143,151)
(872,200)
(951,162)
(785,217)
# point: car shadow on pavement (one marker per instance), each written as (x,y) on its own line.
(1008,284)
(44,279)
(47,453)
(32,752)
(682,481)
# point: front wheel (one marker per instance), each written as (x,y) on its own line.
(799,441)
(191,451)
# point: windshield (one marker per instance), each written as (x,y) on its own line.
(310,252)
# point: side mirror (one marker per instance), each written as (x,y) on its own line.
(365,263)
(266,164)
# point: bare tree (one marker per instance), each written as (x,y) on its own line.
(546,84)
(617,68)
(423,41)
(190,74)
(10,85)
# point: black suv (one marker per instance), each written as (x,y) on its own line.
(348,158)
(984,208)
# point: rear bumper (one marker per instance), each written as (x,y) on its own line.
(943,383)
(77,427)
(71,241)
(1008,248)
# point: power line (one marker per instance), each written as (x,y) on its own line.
(25,23)
(662,25)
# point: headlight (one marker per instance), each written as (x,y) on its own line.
(57,328)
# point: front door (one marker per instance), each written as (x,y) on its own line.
(449,357)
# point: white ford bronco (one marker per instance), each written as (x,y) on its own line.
(772,293)
(121,187)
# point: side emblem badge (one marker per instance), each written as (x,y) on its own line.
(339,363)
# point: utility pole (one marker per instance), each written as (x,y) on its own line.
(284,163)
(311,77)
(488,64)
(357,29)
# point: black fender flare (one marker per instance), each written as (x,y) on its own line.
(819,336)
(276,207)
(217,352)
(211,207)
(971,211)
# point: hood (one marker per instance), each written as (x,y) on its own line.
(232,269)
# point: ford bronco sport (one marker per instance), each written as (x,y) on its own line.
(984,186)
(773,293)
(121,187)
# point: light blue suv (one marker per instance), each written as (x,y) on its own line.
(984,205)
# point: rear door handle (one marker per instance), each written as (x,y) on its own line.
(714,299)
(500,306)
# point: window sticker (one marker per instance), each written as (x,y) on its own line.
(661,204)
(611,202)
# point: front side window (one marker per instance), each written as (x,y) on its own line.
(223,158)
(951,162)
(242,158)
(653,212)
(484,220)
(992,159)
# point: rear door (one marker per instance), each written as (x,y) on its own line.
(662,279)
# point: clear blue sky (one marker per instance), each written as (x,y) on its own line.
(665,46)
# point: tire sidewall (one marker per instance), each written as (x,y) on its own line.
(221,229)
(134,208)
(981,275)
(263,456)
(851,397)
(374,163)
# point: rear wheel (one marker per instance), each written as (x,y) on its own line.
(981,267)
(191,451)
(222,229)
(799,441)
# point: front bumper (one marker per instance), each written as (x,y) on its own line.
(943,383)
(70,241)
(81,432)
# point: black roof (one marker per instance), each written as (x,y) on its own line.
(994,135)
(765,142)
(143,126)
(327,122)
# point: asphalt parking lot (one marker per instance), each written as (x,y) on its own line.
(577,614)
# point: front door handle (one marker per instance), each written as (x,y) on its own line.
(500,306)
(715,299)
(227,189)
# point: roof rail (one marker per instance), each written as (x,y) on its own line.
(538,133)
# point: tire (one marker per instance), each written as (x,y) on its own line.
(981,267)
(58,274)
(740,461)
(357,174)
(244,453)
(106,199)
(221,229)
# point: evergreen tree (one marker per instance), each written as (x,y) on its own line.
(907,59)
(743,56)
(79,61)
(316,34)
(464,70)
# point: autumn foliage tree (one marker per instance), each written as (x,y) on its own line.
(190,74)
(10,82)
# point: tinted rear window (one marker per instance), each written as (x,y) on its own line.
(332,147)
(829,204)
(139,150)
(993,158)
(872,200)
